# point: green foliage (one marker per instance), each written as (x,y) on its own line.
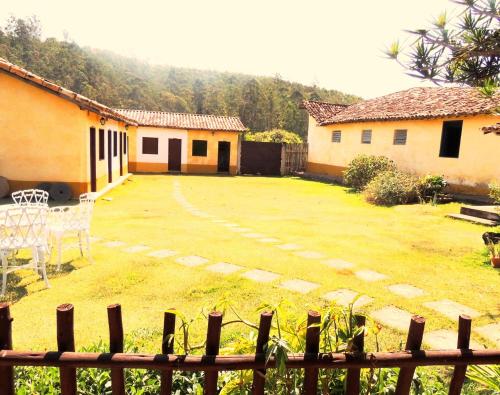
(464,49)
(364,168)
(495,192)
(337,330)
(275,136)
(392,187)
(487,376)
(263,103)
(430,186)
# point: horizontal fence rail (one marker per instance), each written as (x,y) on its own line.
(67,360)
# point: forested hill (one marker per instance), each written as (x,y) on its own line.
(262,102)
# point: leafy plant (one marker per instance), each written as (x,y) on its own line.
(392,187)
(364,168)
(493,249)
(274,136)
(495,192)
(487,376)
(430,186)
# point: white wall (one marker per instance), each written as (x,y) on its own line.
(162,134)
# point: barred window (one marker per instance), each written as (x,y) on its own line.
(336,136)
(199,148)
(366,137)
(400,136)
(150,145)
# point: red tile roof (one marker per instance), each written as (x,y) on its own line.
(321,110)
(414,103)
(80,100)
(492,129)
(184,120)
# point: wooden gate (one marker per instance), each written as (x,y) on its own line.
(293,159)
(260,158)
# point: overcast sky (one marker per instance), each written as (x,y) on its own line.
(335,44)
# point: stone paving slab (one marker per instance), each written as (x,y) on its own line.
(451,309)
(393,317)
(253,235)
(261,276)
(95,239)
(406,290)
(223,268)
(310,254)
(289,247)
(135,249)
(269,240)
(338,264)
(299,286)
(191,260)
(219,221)
(444,339)
(490,332)
(162,253)
(114,244)
(344,297)
(231,225)
(239,230)
(370,275)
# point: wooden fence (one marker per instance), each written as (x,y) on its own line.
(293,158)
(67,360)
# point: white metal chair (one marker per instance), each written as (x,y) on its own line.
(72,219)
(30,197)
(23,227)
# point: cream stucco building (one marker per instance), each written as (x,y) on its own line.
(424,130)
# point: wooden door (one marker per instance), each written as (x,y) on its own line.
(110,156)
(121,153)
(93,159)
(174,154)
(223,156)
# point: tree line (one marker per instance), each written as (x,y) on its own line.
(262,103)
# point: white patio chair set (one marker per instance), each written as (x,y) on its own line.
(29,224)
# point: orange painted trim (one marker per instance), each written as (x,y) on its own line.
(321,168)
(477,189)
(148,167)
(77,188)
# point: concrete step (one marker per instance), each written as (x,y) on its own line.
(470,218)
(485,212)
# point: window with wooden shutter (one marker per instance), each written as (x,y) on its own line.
(102,149)
(400,137)
(366,137)
(150,145)
(336,136)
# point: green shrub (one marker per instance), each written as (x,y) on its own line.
(430,186)
(274,136)
(364,168)
(495,192)
(392,187)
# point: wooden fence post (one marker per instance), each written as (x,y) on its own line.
(66,342)
(212,349)
(312,350)
(6,372)
(413,343)
(167,347)
(464,329)
(116,346)
(259,376)
(353,375)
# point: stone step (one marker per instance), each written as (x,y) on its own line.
(485,212)
(470,218)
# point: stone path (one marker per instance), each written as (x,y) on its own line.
(445,339)
(223,268)
(299,286)
(451,309)
(391,316)
(136,249)
(405,290)
(370,275)
(261,276)
(163,253)
(344,297)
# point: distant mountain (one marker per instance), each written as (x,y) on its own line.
(263,103)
